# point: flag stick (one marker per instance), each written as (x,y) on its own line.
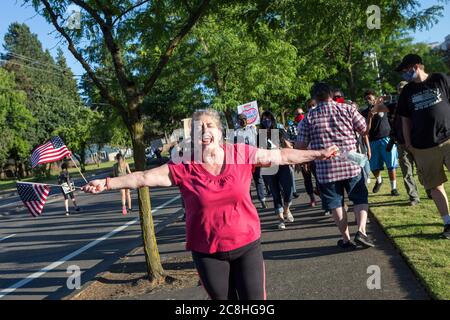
(47,184)
(77,168)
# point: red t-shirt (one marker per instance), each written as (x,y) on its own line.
(220,215)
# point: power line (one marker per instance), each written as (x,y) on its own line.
(57,98)
(34,61)
(30,67)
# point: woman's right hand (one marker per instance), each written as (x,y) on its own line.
(95,186)
(329,152)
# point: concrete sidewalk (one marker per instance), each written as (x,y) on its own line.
(304,262)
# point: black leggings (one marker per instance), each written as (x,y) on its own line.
(233,275)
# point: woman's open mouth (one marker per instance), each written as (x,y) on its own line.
(207,138)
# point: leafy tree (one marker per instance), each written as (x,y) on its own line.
(52,94)
(14,121)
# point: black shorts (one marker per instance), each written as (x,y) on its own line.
(67,195)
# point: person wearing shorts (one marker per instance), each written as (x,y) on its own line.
(64,177)
(424,106)
(379,131)
(336,123)
(223,229)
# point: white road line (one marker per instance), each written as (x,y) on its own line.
(56,264)
(10,204)
(7,237)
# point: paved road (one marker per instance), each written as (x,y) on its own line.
(303,262)
(36,252)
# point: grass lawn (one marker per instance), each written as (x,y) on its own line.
(415,231)
(11,183)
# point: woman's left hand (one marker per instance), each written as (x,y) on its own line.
(329,152)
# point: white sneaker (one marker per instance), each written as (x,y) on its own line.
(281,226)
(327,213)
(289,216)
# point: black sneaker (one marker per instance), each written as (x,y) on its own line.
(394,193)
(363,240)
(429,194)
(377,186)
(295,195)
(78,209)
(446,233)
(349,245)
(130,209)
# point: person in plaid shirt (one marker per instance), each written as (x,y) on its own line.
(332,123)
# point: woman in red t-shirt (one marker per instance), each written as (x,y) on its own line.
(222,224)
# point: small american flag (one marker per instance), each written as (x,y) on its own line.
(52,150)
(33,196)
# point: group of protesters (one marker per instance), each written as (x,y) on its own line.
(223,229)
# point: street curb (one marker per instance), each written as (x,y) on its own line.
(420,279)
(161,226)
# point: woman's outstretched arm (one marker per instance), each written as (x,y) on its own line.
(157,177)
(292,156)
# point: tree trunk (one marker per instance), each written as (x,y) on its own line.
(351,83)
(229,118)
(154,268)
(83,157)
(283,117)
(21,170)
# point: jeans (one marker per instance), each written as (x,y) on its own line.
(281,187)
(294,187)
(259,184)
(307,179)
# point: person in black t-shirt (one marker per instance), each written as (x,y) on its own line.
(379,130)
(424,106)
(405,157)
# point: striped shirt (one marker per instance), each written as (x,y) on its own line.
(330,124)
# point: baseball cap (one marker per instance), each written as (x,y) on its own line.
(409,60)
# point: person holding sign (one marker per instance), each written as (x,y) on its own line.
(67,188)
(223,230)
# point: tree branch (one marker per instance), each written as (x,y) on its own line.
(128,10)
(103,91)
(164,59)
(126,84)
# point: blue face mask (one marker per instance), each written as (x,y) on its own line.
(410,75)
(267,123)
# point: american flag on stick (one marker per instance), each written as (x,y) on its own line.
(51,151)
(33,196)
